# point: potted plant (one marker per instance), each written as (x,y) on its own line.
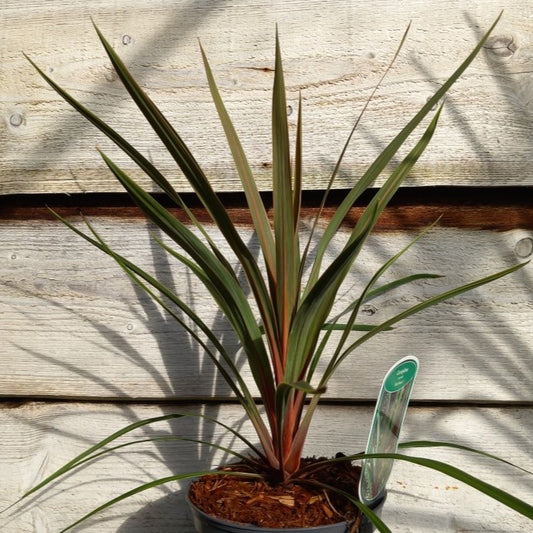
(284,332)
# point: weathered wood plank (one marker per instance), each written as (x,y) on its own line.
(335,56)
(73,326)
(37,438)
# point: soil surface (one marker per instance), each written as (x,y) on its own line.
(293,504)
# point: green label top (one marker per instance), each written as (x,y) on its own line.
(400,375)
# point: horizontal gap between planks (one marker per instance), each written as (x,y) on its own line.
(15,402)
(491,208)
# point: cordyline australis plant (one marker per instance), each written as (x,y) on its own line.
(285,338)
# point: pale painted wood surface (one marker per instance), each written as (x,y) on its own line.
(38,438)
(74,334)
(334,52)
(73,325)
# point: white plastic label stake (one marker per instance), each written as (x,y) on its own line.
(389,415)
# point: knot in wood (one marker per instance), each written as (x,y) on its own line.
(524,247)
(501,48)
(369,310)
(16,119)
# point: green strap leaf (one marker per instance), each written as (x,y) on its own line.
(152,172)
(439,444)
(494,492)
(359,188)
(255,203)
(227,292)
(317,304)
(235,380)
(386,156)
(91,450)
(151,485)
(425,304)
(354,308)
(287,255)
(199,182)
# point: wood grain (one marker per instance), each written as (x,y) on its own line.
(81,348)
(73,326)
(334,56)
(38,438)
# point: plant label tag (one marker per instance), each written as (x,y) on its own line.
(389,415)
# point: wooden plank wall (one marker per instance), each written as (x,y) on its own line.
(83,354)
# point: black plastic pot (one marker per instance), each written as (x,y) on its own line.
(205,523)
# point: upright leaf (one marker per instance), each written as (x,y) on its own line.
(196,177)
(255,203)
(385,157)
(287,257)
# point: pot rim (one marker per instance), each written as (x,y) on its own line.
(247,527)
